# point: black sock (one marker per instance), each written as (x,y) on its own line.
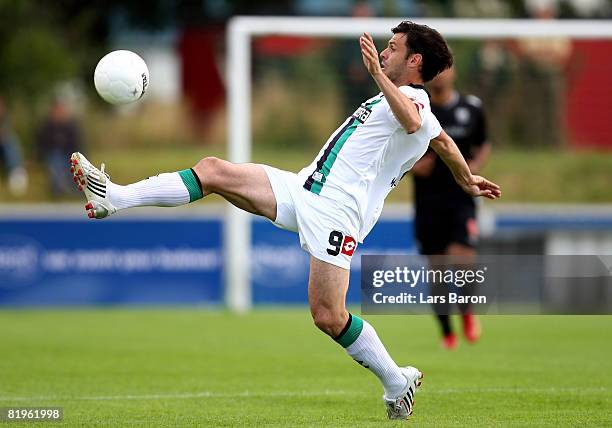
(444,321)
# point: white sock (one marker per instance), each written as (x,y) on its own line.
(370,352)
(163,190)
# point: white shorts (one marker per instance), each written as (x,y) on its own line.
(328,230)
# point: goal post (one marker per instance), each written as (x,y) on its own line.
(241,30)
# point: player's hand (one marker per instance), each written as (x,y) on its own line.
(424,166)
(479,186)
(370,54)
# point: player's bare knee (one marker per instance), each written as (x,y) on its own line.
(324,321)
(328,321)
(209,172)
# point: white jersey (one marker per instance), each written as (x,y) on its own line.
(365,158)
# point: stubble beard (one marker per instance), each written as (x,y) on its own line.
(390,74)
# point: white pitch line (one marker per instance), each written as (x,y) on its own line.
(249,394)
(520,390)
(186,395)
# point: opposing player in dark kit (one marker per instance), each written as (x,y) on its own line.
(445,215)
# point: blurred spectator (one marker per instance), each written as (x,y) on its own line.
(542,67)
(491,70)
(591,8)
(11,159)
(59,136)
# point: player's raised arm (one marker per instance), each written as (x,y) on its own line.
(473,185)
(402,107)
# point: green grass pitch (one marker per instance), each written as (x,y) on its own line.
(192,367)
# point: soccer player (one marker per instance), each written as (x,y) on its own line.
(445,215)
(335,201)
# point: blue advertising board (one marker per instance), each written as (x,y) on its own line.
(179,260)
(68,262)
(73,262)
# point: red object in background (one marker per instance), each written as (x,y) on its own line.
(202,83)
(201,78)
(285,46)
(589,91)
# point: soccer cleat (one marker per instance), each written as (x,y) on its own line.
(471,327)
(450,342)
(93,182)
(401,406)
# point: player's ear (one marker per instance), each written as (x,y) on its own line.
(415,59)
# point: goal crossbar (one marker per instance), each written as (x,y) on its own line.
(449,28)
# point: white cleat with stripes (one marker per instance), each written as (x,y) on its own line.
(93,182)
(401,406)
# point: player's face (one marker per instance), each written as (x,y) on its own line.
(394,59)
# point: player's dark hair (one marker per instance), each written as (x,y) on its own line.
(426,41)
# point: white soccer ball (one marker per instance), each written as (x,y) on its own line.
(121,77)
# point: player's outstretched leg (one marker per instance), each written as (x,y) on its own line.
(327,288)
(245,185)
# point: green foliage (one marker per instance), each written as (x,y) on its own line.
(31,60)
(34,49)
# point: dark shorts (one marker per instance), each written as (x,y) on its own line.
(435,229)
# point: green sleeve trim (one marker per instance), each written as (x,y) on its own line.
(351,332)
(192,183)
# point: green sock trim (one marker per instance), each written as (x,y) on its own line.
(192,184)
(351,331)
